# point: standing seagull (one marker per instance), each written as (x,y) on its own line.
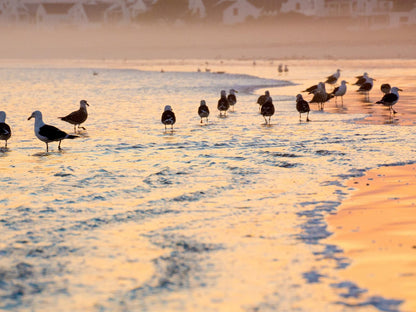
(232,99)
(366,87)
(5,131)
(223,104)
(340,91)
(262,99)
(321,96)
(168,117)
(302,107)
(390,99)
(47,133)
(333,78)
(267,109)
(203,111)
(77,117)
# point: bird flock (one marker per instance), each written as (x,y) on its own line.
(364,82)
(48,133)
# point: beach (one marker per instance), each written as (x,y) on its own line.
(130,217)
(376,228)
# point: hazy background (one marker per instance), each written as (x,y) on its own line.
(171,29)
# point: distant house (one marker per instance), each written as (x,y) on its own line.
(238,11)
(197,8)
(61,13)
(305,7)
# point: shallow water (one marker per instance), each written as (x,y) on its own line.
(226,216)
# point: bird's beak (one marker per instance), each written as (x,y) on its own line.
(87,103)
(374,80)
(30,117)
(400,90)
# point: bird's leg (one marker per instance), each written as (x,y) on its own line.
(6,144)
(269,119)
(307,117)
(75,128)
(300,116)
(47,147)
(59,145)
(201,120)
(265,119)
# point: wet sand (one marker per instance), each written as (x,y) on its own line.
(376,228)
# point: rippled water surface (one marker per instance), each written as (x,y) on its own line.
(226,216)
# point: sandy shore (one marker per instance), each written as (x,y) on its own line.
(376,228)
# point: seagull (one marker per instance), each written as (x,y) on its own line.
(333,78)
(321,96)
(203,110)
(5,131)
(302,107)
(286,69)
(340,91)
(385,88)
(280,68)
(390,99)
(267,109)
(77,117)
(232,99)
(47,133)
(223,104)
(262,98)
(361,79)
(366,86)
(168,117)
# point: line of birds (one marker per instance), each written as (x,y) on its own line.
(47,133)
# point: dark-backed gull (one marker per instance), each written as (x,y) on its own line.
(333,78)
(168,117)
(223,104)
(390,99)
(5,131)
(262,99)
(203,111)
(302,107)
(232,99)
(267,109)
(47,133)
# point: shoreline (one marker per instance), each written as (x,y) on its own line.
(376,228)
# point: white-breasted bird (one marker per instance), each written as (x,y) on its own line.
(340,91)
(47,133)
(333,78)
(390,99)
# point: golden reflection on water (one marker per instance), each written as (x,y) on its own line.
(126,196)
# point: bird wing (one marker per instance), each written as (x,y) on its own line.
(4,129)
(261,99)
(51,132)
(168,117)
(77,116)
(389,98)
(203,111)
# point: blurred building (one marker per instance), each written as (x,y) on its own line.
(94,13)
